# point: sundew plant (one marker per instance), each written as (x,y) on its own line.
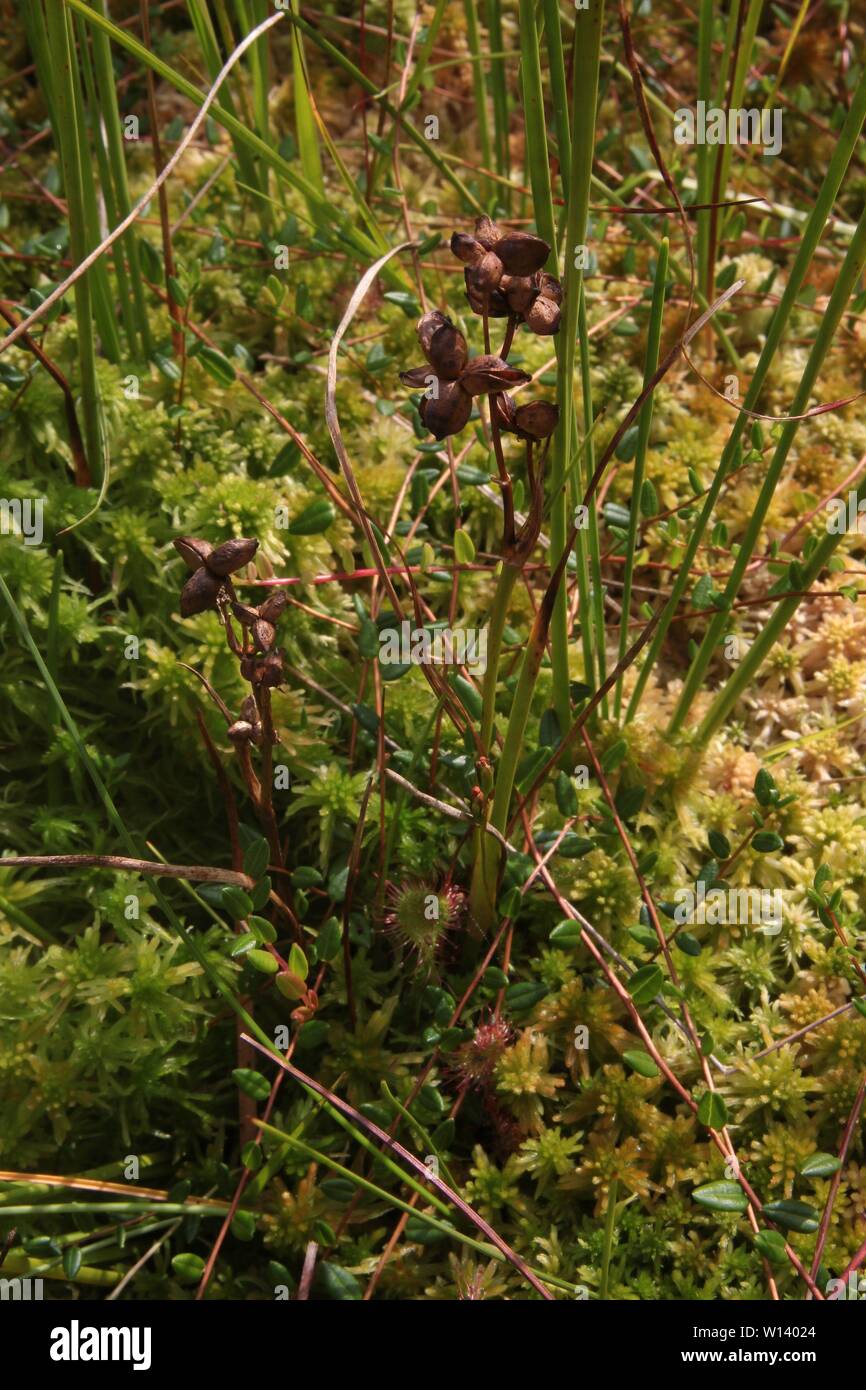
(433,718)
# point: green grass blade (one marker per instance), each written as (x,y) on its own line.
(644,423)
(305,124)
(116,820)
(61,56)
(499,85)
(811,237)
(479,86)
(829,323)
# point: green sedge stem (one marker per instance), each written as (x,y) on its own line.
(644,422)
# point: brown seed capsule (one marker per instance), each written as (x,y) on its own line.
(265,634)
(199,592)
(550,287)
(488,373)
(427,325)
(273,607)
(240,731)
(269,671)
(495,303)
(419,378)
(193,550)
(448,352)
(521,253)
(488,232)
(519,290)
(232,555)
(466,248)
(502,410)
(543,316)
(245,614)
(447,413)
(484,276)
(248,667)
(536,419)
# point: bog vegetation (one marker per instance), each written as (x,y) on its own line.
(432,721)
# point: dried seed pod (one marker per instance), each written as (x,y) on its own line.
(489,373)
(273,607)
(502,410)
(522,253)
(269,671)
(484,276)
(199,592)
(248,667)
(419,378)
(193,550)
(264,634)
(240,731)
(543,316)
(550,287)
(245,614)
(536,419)
(448,351)
(519,290)
(232,555)
(466,248)
(427,326)
(250,720)
(495,303)
(488,232)
(447,412)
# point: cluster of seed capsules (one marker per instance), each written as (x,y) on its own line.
(209,586)
(504,279)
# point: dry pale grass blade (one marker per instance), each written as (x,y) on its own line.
(82,269)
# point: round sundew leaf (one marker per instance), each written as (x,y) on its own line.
(641,1062)
(724,1195)
(645,983)
(820,1165)
(712,1110)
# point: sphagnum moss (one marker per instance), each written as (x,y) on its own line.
(422,907)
